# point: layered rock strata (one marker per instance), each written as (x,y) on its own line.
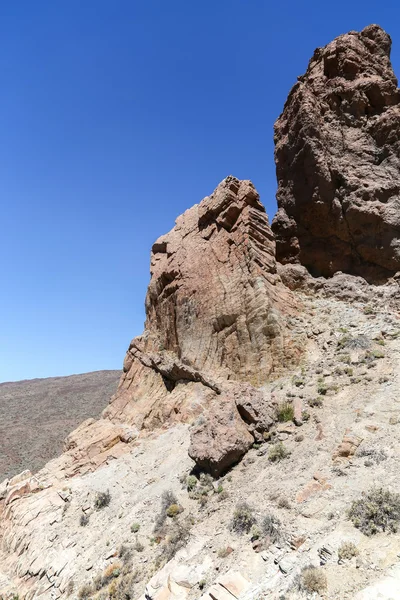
(337,154)
(215,309)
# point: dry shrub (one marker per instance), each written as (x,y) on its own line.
(85,592)
(347,550)
(312,579)
(376,510)
(278,452)
(102,499)
(271,527)
(243,518)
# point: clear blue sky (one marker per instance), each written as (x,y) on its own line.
(116,116)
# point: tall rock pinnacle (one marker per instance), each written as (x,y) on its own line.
(337,159)
(215,309)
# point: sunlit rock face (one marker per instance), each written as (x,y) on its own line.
(215,311)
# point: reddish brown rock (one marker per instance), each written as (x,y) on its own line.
(348,445)
(215,310)
(338,161)
(220,437)
(229,427)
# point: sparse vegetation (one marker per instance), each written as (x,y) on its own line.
(113,570)
(176,538)
(138,546)
(102,500)
(347,550)
(271,527)
(125,553)
(191,483)
(283,502)
(70,587)
(345,358)
(243,518)
(278,452)
(173,510)
(373,454)
(255,532)
(375,511)
(297,380)
(322,388)
(84,520)
(85,592)
(312,579)
(222,496)
(316,402)
(168,499)
(135,527)
(285,412)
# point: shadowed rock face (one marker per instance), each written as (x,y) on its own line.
(338,161)
(215,311)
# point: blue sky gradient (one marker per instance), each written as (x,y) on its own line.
(116,116)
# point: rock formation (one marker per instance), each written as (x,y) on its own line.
(212,374)
(338,161)
(216,311)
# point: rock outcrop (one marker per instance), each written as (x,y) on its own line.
(338,161)
(216,311)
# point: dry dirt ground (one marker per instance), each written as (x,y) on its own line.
(36,415)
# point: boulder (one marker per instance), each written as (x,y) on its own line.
(337,154)
(220,437)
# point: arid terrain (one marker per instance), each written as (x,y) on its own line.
(37,415)
(252,447)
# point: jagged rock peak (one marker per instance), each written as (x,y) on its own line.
(338,161)
(215,309)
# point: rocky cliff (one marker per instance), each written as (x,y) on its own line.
(237,455)
(338,161)
(216,311)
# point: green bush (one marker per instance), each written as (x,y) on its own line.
(376,510)
(191,483)
(285,412)
(135,527)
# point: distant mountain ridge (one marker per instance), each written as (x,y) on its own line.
(37,414)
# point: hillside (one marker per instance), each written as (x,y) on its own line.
(37,415)
(252,448)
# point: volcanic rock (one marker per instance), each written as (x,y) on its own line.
(216,311)
(337,160)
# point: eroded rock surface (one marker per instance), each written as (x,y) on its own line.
(338,161)
(216,311)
